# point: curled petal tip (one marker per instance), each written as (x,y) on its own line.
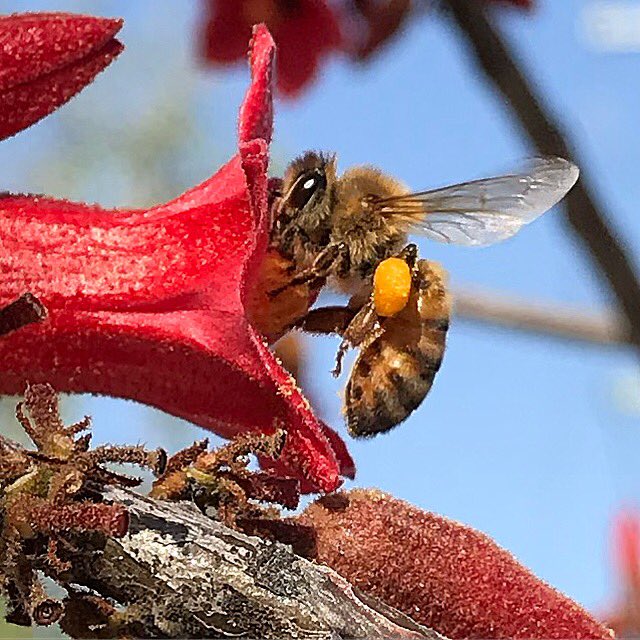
(256,112)
(261,38)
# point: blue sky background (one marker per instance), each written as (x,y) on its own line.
(522,437)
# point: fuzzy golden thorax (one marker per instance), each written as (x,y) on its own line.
(370,236)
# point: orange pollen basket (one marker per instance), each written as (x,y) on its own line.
(391,286)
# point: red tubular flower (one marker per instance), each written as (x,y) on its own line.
(149,304)
(305,31)
(440,573)
(45,59)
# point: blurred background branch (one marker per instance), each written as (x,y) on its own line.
(584,213)
(490,308)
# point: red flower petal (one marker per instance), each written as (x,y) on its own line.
(381,24)
(523,4)
(86,258)
(45,59)
(148,304)
(346,465)
(442,574)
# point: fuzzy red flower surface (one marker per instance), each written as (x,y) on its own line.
(442,574)
(45,59)
(305,31)
(149,304)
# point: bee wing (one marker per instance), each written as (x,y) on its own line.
(483,212)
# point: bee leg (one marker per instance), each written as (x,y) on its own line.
(361,332)
(327,320)
(330,320)
(328,260)
(409,254)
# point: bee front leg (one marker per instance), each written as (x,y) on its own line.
(328,261)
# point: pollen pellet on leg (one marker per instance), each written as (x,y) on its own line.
(391,286)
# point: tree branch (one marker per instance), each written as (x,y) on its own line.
(585,215)
(182,574)
(136,566)
(605,328)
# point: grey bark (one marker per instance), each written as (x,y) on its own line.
(192,576)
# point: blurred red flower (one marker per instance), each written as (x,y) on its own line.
(305,31)
(45,59)
(149,304)
(624,616)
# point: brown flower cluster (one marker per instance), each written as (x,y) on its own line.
(221,480)
(52,510)
(50,495)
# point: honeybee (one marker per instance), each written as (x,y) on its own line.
(339,229)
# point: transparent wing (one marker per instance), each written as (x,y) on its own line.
(483,212)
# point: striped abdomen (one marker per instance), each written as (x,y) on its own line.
(392,376)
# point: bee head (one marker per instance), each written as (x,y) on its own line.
(307,196)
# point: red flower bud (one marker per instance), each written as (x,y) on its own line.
(440,573)
(45,59)
(626,540)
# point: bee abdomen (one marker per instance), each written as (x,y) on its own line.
(385,389)
(392,376)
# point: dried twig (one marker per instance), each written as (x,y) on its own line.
(584,213)
(23,311)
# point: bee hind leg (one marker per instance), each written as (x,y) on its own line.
(327,320)
(363,329)
(358,328)
(409,254)
(365,326)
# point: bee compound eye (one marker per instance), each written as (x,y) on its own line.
(306,186)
